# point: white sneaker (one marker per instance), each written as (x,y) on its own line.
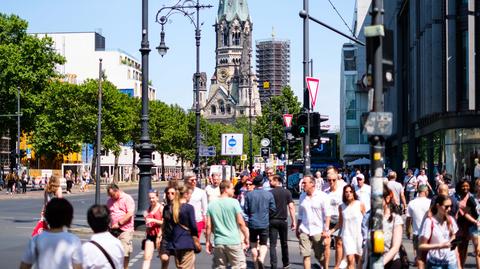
(343,264)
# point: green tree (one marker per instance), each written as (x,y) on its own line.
(26,63)
(272,118)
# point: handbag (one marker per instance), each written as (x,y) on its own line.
(115,232)
(196,241)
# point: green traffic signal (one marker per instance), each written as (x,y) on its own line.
(302,130)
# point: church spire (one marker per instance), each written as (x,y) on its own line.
(229,9)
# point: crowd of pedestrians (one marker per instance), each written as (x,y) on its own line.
(248,218)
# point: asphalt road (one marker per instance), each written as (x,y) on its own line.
(19,214)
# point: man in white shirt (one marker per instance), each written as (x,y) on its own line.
(198,200)
(313,224)
(213,190)
(98,217)
(364,191)
(410,185)
(416,211)
(319,181)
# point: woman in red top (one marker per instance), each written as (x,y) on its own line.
(153,223)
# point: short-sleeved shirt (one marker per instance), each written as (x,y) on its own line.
(93,258)
(312,212)
(417,208)
(55,250)
(334,200)
(439,233)
(223,214)
(119,208)
(410,183)
(364,195)
(199,201)
(212,192)
(396,188)
(282,199)
(422,180)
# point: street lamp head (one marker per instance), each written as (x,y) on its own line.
(162,48)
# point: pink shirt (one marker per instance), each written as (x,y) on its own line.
(119,208)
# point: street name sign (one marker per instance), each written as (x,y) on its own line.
(209,151)
(232,144)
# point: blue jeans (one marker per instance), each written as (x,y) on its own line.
(431,265)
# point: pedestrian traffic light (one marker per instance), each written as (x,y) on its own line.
(302,124)
(283,147)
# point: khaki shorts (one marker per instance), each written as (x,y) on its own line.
(184,259)
(223,255)
(316,242)
(126,239)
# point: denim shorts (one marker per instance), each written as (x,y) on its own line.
(431,265)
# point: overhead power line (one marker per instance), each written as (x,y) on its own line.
(344,22)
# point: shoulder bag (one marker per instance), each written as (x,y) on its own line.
(196,241)
(104,253)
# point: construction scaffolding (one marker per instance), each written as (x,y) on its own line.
(273,65)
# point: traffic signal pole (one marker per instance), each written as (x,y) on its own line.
(306,96)
(377,142)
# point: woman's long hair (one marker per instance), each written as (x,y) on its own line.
(53,184)
(181,190)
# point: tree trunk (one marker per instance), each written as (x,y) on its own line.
(133,176)
(183,168)
(162,176)
(116,174)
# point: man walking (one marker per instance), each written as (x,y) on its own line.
(258,204)
(417,208)
(224,219)
(313,224)
(212,190)
(397,189)
(122,208)
(103,248)
(364,191)
(198,200)
(278,221)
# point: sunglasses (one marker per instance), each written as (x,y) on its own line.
(447,206)
(331,180)
(170,193)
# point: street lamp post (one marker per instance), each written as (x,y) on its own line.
(306,97)
(99,134)
(183,9)
(145,147)
(250,139)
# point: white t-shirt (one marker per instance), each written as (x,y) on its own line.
(334,200)
(439,234)
(422,180)
(93,258)
(212,192)
(416,210)
(312,211)
(199,202)
(55,251)
(410,183)
(364,195)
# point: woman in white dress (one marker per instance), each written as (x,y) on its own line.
(350,223)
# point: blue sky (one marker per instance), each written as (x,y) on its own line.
(120,22)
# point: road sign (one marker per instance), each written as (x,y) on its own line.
(232,144)
(265,152)
(265,142)
(312,85)
(209,151)
(287,120)
(378,123)
(29,153)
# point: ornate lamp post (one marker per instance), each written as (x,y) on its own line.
(183,8)
(145,148)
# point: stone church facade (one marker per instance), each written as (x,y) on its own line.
(233,80)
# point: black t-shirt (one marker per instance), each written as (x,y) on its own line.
(282,198)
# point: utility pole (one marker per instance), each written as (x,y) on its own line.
(18,130)
(99,134)
(306,98)
(377,142)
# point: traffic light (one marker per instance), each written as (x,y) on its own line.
(316,129)
(301,124)
(283,147)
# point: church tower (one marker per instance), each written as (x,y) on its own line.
(233,78)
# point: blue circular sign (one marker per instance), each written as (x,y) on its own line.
(232,142)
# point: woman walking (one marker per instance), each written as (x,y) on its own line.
(153,222)
(350,223)
(392,229)
(167,227)
(52,190)
(184,229)
(437,234)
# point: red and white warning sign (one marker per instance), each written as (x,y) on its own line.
(287,120)
(312,85)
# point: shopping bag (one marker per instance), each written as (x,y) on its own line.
(39,227)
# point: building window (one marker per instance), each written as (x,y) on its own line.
(242,112)
(351,114)
(352,136)
(349,60)
(221,105)
(213,109)
(225,38)
(236,39)
(229,109)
